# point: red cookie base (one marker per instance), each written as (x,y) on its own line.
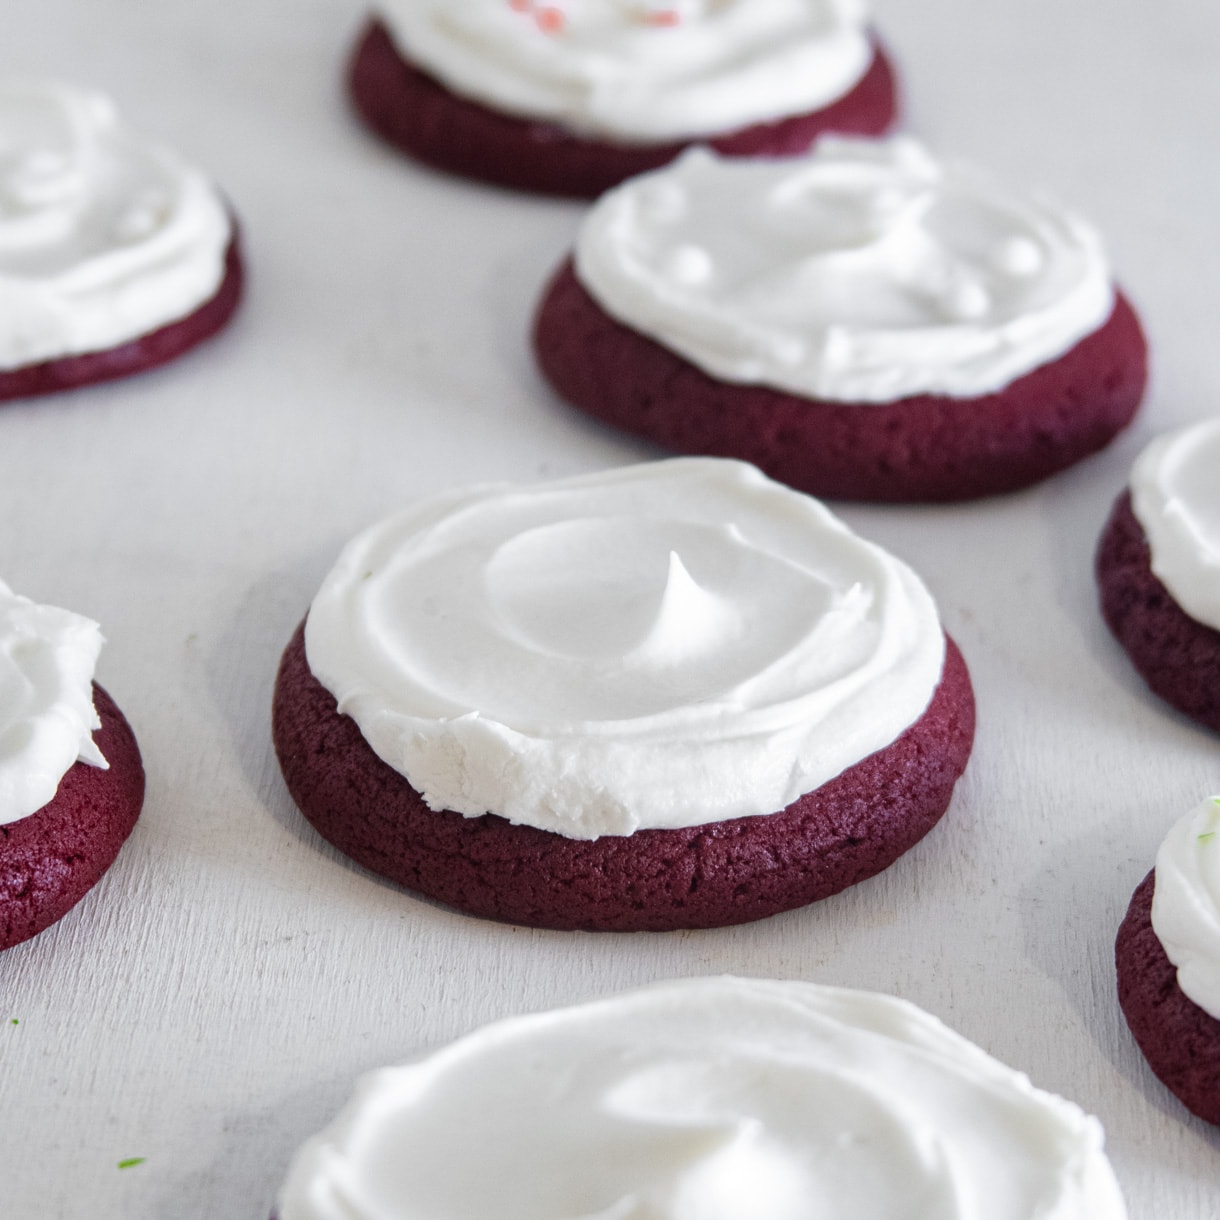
(52,859)
(656,880)
(924,448)
(1180,1041)
(414,112)
(1177,656)
(146,352)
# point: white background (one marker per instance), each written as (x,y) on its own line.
(210,1003)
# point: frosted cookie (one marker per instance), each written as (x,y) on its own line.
(714,1098)
(1168,959)
(71,780)
(573,96)
(115,256)
(861,323)
(671,695)
(1158,570)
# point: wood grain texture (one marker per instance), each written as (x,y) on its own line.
(210,1003)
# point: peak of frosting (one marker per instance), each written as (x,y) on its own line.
(690,621)
(657,646)
(864,272)
(1175,495)
(605,588)
(707,1099)
(1186,903)
(47,659)
(639,70)
(103,236)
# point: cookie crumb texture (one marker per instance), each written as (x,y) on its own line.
(413,111)
(654,880)
(924,448)
(146,352)
(52,859)
(1176,655)
(1180,1041)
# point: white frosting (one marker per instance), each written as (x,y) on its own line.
(47,659)
(657,646)
(1186,903)
(103,237)
(707,1099)
(640,71)
(865,272)
(1175,495)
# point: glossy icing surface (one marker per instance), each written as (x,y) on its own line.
(707,1099)
(864,272)
(104,237)
(47,659)
(639,70)
(1175,495)
(1186,903)
(656,646)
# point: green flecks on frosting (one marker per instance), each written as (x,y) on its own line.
(128,1162)
(1208,837)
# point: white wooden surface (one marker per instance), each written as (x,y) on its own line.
(209,1005)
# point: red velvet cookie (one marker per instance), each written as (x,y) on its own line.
(703,876)
(50,860)
(928,447)
(1177,656)
(413,111)
(1180,1041)
(117,255)
(145,352)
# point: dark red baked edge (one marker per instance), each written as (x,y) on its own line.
(145,352)
(924,448)
(699,877)
(417,114)
(1176,655)
(52,859)
(1180,1041)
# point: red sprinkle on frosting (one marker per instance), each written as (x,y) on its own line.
(551,19)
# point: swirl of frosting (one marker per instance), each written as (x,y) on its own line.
(707,1099)
(103,237)
(1186,903)
(1175,495)
(865,272)
(644,71)
(47,659)
(658,646)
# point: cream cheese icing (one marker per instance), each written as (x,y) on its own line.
(865,272)
(707,1099)
(657,646)
(1175,495)
(1186,903)
(103,236)
(47,659)
(641,71)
